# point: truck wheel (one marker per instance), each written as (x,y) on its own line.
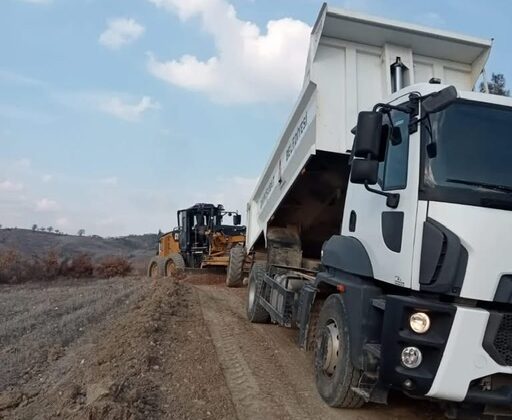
(174,264)
(154,268)
(335,373)
(235,266)
(255,312)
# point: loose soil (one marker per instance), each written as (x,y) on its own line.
(170,349)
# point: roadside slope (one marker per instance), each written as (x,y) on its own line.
(136,248)
(150,358)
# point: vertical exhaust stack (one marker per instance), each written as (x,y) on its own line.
(398,70)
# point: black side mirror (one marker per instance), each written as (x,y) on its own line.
(237,219)
(439,101)
(368,140)
(364,171)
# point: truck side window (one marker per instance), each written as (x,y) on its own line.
(393,170)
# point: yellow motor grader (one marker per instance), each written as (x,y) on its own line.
(201,240)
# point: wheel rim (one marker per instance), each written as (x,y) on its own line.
(252,293)
(153,270)
(330,347)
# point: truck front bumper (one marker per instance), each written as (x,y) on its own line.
(465,362)
(397,335)
(463,352)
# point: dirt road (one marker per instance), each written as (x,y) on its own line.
(269,377)
(135,349)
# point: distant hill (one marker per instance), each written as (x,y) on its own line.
(137,248)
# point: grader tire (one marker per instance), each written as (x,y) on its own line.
(173,265)
(235,266)
(155,268)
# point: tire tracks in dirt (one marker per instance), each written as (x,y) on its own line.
(251,400)
(269,377)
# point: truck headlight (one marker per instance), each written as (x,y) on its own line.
(411,357)
(419,322)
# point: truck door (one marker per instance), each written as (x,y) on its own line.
(388,233)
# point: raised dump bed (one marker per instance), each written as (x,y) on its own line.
(351,66)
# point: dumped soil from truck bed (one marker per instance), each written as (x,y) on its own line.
(137,349)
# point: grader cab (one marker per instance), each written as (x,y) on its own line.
(201,240)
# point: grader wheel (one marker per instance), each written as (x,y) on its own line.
(235,266)
(173,265)
(155,268)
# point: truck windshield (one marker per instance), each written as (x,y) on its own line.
(474,153)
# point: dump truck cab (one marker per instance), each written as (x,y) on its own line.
(429,210)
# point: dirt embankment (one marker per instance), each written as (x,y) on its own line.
(122,350)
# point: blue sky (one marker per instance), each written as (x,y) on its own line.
(115,113)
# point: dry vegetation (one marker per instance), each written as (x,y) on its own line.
(16,268)
(113,266)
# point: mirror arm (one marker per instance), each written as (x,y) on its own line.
(387,107)
(392,199)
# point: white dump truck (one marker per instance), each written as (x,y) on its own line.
(382,222)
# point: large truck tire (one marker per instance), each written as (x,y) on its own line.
(155,268)
(335,374)
(255,312)
(173,265)
(235,266)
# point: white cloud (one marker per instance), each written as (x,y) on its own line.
(127,111)
(249,66)
(46,178)
(119,32)
(10,186)
(45,204)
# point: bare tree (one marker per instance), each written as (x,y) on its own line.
(49,229)
(34,227)
(497,85)
(81,232)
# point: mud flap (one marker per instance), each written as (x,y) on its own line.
(306,299)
